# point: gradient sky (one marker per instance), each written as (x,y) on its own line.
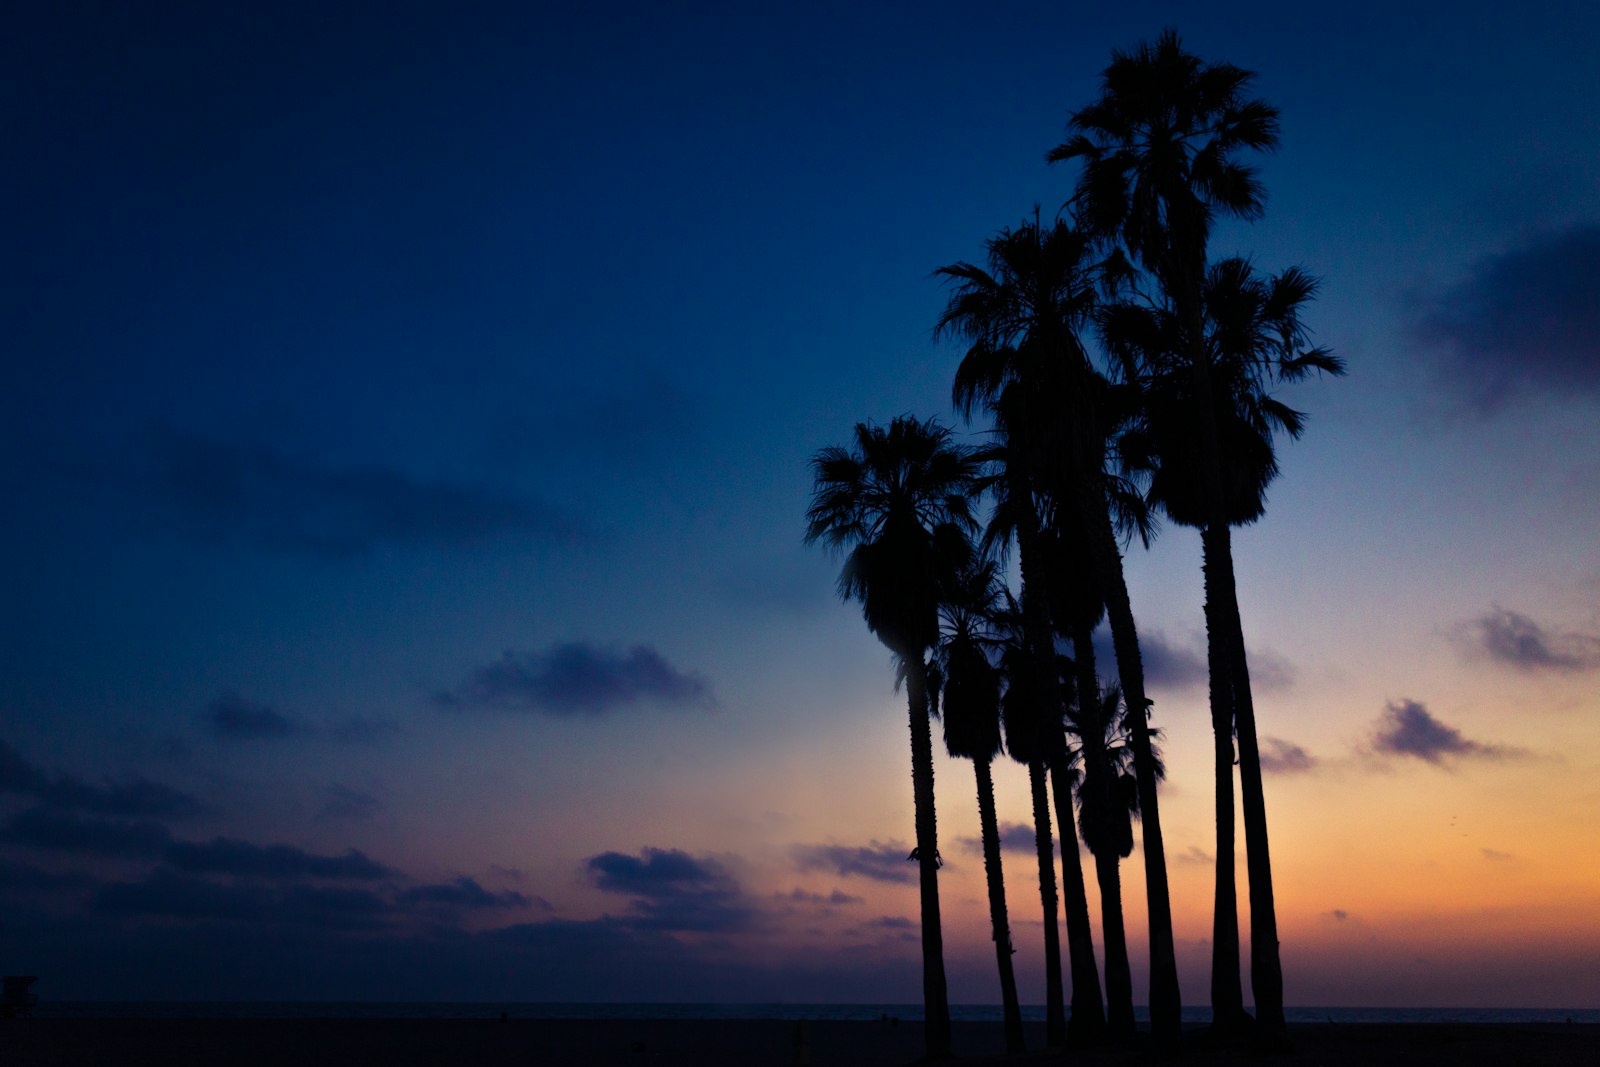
(404,446)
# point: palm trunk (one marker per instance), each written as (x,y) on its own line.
(1119,980)
(1047,718)
(1087,1026)
(935,996)
(1091,730)
(1055,1012)
(998,920)
(1266,969)
(1165,1000)
(1228,1019)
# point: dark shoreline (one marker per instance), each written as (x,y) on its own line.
(405,1042)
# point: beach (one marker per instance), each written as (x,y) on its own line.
(413,1043)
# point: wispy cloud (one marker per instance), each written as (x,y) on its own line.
(673,890)
(1283,757)
(65,832)
(1175,665)
(876,861)
(254,493)
(837,898)
(466,894)
(1514,639)
(166,893)
(234,718)
(1407,728)
(341,802)
(128,799)
(1014,837)
(242,859)
(1524,319)
(578,678)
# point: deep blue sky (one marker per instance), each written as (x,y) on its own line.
(404,444)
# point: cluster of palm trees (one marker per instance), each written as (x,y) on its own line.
(1123,376)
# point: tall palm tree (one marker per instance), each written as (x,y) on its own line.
(900,501)
(1254,340)
(971,687)
(1077,607)
(1023,318)
(1087,769)
(1025,742)
(1034,717)
(1106,810)
(1159,153)
(1075,900)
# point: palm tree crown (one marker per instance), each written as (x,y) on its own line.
(1253,341)
(902,500)
(1160,151)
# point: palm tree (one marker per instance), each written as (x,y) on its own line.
(1025,743)
(1254,339)
(1106,810)
(1080,936)
(1159,152)
(1023,318)
(900,501)
(1033,718)
(1077,607)
(971,685)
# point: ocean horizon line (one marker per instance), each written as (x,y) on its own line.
(795,1011)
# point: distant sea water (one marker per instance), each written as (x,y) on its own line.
(1198,1016)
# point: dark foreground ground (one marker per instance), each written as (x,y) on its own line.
(532,1043)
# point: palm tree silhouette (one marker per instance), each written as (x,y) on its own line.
(1108,798)
(971,686)
(1159,153)
(900,501)
(1104,755)
(1095,778)
(1080,935)
(1077,607)
(1023,318)
(1026,743)
(1034,719)
(1254,339)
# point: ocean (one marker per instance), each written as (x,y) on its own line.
(846,1012)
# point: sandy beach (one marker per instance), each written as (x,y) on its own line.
(397,1043)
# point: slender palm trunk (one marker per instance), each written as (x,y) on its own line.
(1119,980)
(1087,1026)
(935,996)
(1266,969)
(1119,977)
(1055,1012)
(1228,1017)
(998,920)
(1047,718)
(1165,1000)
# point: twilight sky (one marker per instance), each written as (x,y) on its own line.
(404,445)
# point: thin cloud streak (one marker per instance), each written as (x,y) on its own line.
(255,493)
(875,861)
(577,678)
(63,792)
(1515,640)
